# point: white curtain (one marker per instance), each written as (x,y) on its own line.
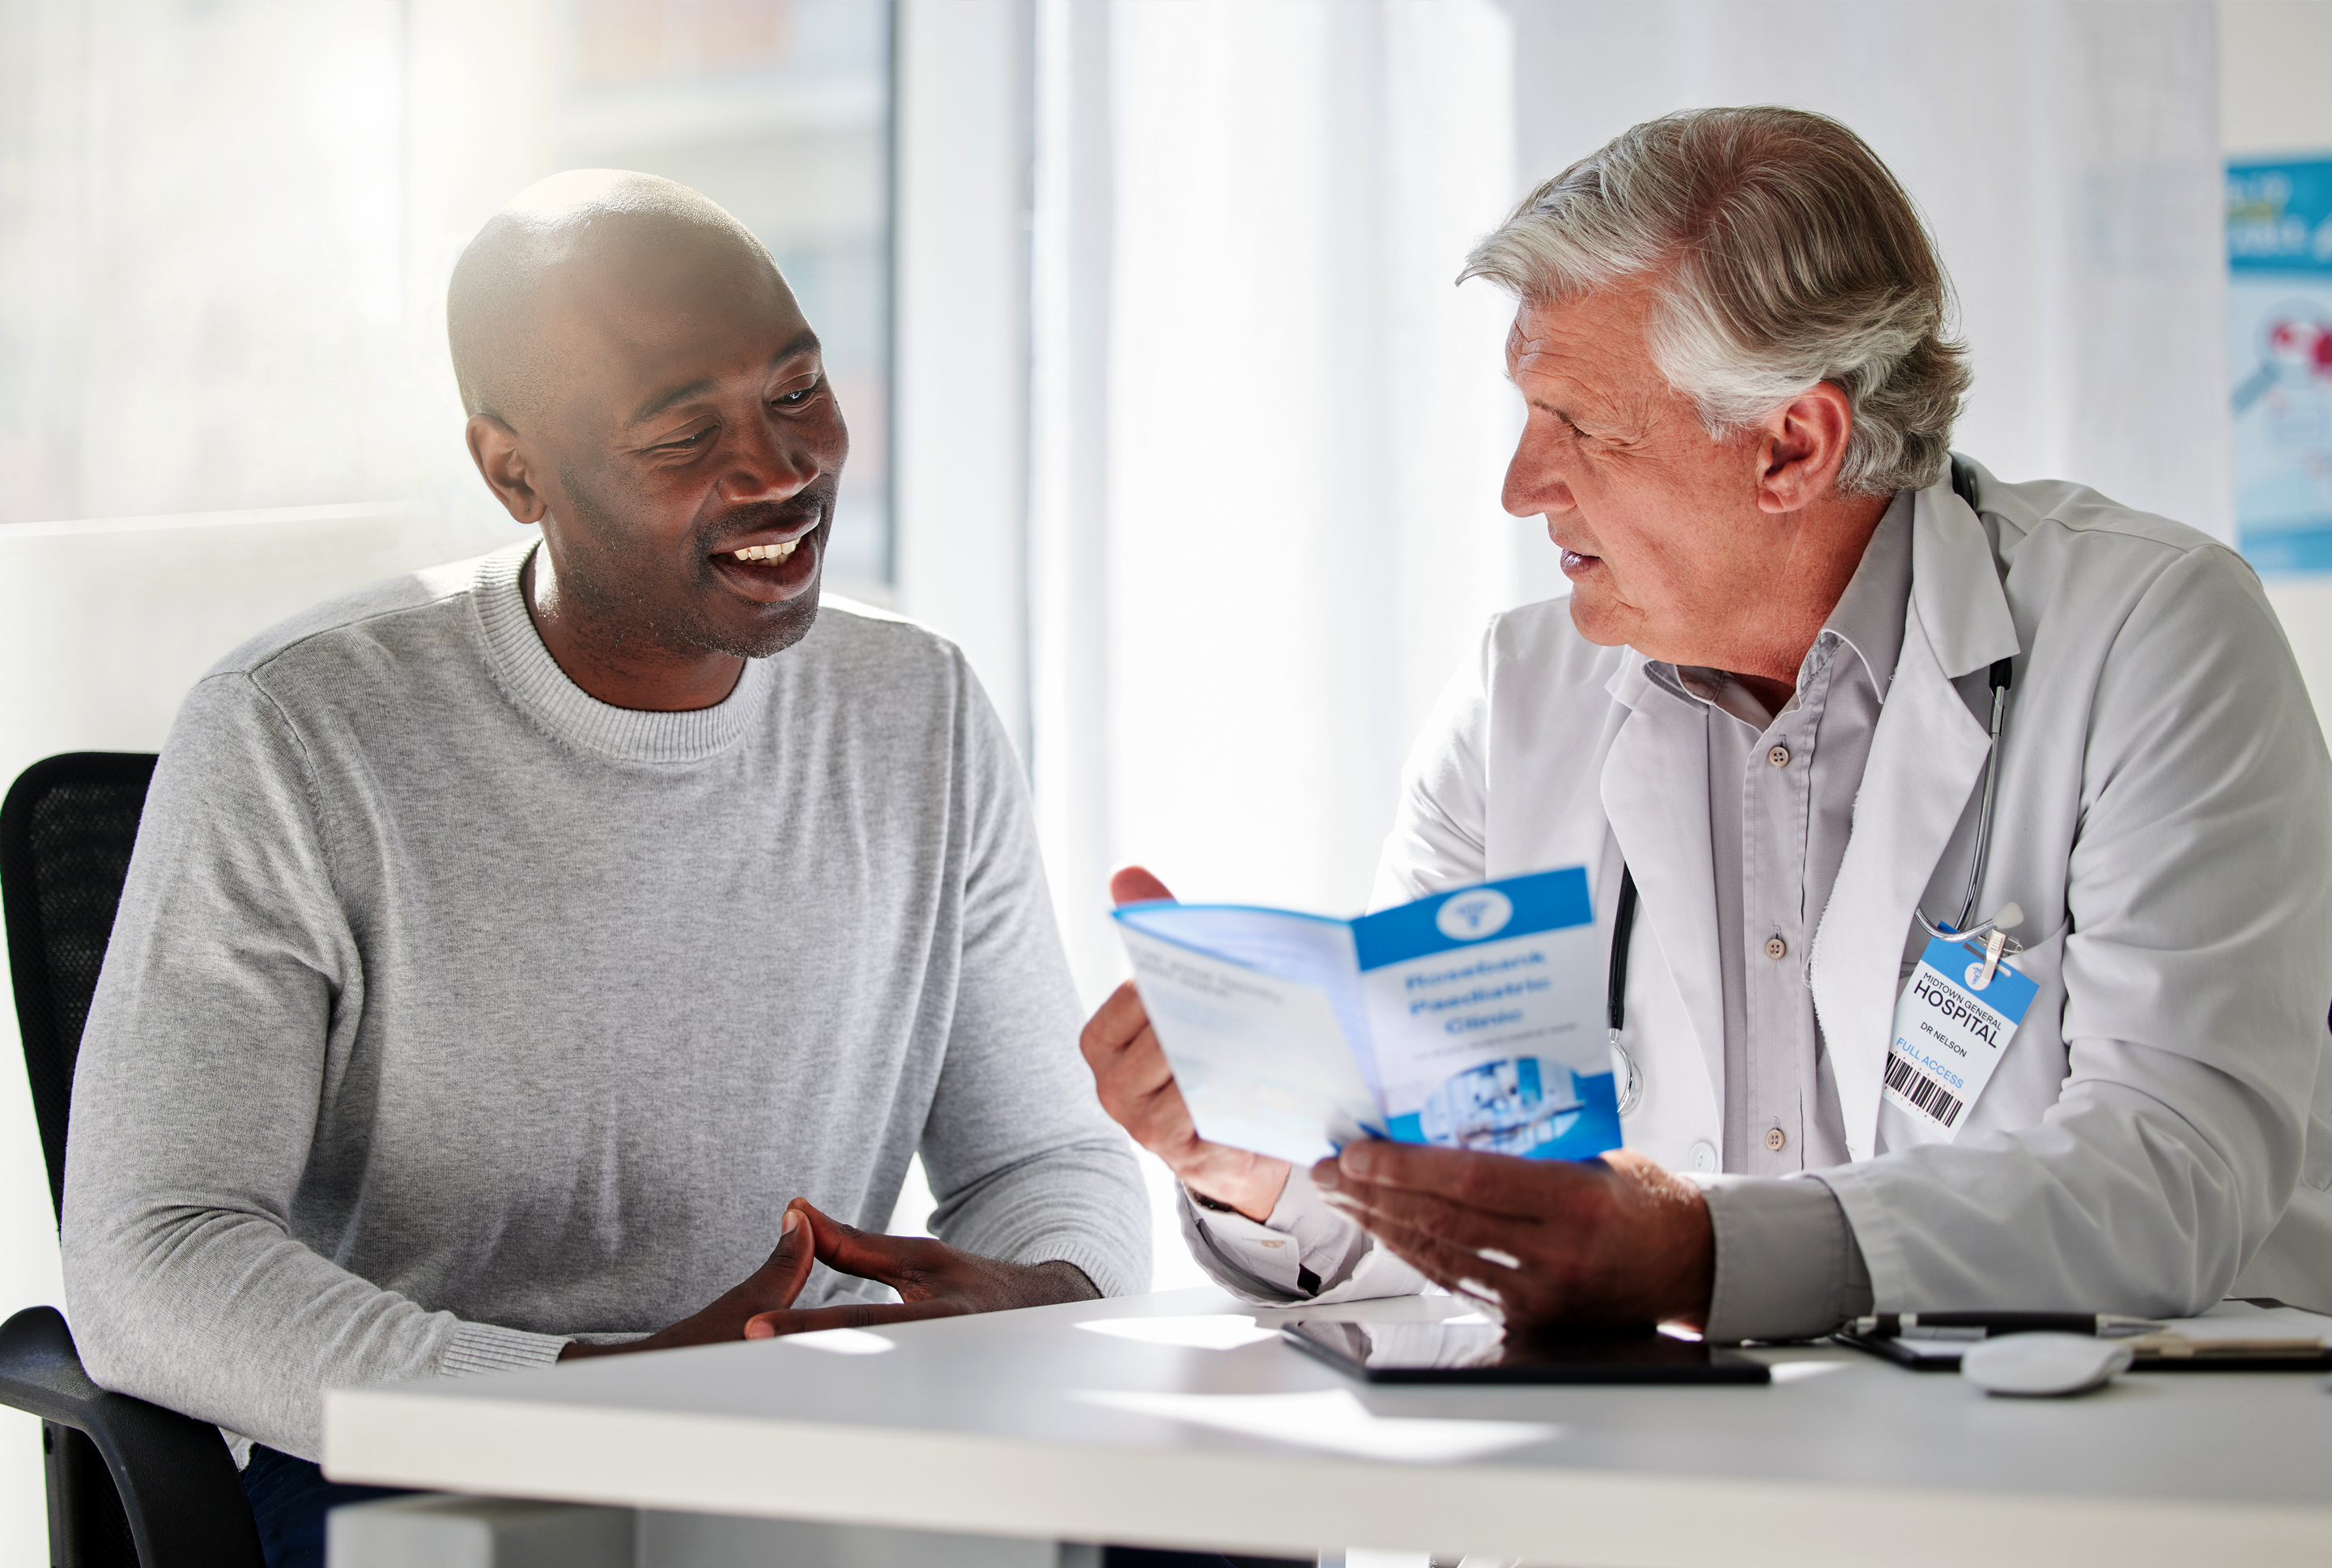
(2067,155)
(1268,434)
(1267,522)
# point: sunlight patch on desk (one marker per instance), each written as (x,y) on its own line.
(1329,1418)
(1204,1330)
(1799,1371)
(843,1342)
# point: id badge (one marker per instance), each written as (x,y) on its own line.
(1950,1031)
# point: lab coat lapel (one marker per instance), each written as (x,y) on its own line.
(1926,758)
(1655,790)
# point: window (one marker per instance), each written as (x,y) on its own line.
(781,111)
(226,229)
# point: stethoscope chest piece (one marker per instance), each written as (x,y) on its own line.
(1629,1076)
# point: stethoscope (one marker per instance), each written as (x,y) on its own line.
(1988,940)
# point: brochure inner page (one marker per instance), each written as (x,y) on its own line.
(1260,1053)
(1311,949)
(1486,1011)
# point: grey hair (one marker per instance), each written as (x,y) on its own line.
(1792,257)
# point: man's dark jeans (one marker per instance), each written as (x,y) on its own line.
(289,1497)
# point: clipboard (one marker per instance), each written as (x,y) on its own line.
(2240,1336)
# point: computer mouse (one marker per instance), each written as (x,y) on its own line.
(2037,1365)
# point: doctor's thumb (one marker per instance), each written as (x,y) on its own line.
(1135,885)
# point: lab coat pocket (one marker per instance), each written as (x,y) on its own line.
(2034,1069)
(2315,1167)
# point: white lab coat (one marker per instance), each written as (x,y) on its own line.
(2158,1134)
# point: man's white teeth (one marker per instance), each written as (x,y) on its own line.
(766,552)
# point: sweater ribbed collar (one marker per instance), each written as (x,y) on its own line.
(532,680)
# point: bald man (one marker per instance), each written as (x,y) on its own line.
(521,959)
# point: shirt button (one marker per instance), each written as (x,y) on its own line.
(1779,756)
(1774,1139)
(1703,1157)
(1776,948)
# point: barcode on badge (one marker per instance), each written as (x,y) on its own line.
(1923,1093)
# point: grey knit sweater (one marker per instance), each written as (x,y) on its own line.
(452,1012)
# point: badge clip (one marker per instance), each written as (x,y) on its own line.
(1979,975)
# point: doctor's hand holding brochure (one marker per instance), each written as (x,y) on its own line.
(1469,1020)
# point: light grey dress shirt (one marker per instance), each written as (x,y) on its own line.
(1782,792)
(1786,1259)
(1794,775)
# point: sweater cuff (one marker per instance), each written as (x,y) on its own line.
(1787,1263)
(479,1348)
(1103,1272)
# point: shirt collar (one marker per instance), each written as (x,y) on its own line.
(532,679)
(1868,616)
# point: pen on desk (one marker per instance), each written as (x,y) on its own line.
(1981,1325)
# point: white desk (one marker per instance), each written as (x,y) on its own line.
(983,1424)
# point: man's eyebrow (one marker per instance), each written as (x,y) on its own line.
(804,342)
(663,400)
(1535,399)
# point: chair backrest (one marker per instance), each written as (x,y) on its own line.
(66,830)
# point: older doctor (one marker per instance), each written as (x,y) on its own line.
(1769,698)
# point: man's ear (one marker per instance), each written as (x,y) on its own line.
(1801,445)
(494,448)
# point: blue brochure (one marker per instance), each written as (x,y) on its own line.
(1472,1019)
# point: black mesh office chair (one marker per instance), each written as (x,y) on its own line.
(130,1484)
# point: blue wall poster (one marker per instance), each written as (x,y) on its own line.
(2280,324)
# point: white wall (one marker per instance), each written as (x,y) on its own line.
(961,347)
(2273,99)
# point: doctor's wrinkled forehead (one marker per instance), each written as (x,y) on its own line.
(577,248)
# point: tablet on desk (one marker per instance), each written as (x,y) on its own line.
(1479,1352)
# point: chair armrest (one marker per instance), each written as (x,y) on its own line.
(176,1481)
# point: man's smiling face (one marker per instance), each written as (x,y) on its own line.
(696,446)
(1659,523)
